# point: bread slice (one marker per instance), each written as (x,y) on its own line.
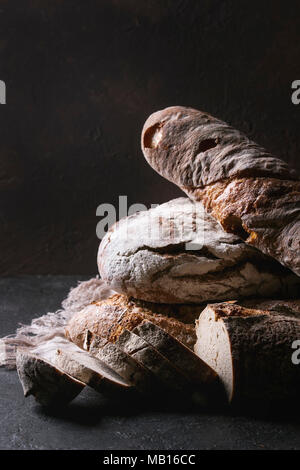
(251,351)
(108,318)
(92,372)
(196,371)
(50,385)
(123,364)
(170,377)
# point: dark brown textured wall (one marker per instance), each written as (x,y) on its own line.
(82,76)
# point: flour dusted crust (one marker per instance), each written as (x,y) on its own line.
(251,350)
(177,253)
(194,149)
(108,319)
(249,191)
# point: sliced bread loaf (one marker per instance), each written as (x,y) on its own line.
(108,318)
(169,376)
(176,352)
(251,351)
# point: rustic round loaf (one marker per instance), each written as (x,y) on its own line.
(177,253)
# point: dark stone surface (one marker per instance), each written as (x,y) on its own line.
(90,422)
(82,76)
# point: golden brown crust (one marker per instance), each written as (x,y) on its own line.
(254,307)
(265,212)
(234,310)
(109,318)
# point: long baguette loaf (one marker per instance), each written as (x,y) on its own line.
(247,190)
(251,351)
(177,253)
(108,318)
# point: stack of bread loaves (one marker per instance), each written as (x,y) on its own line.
(192,278)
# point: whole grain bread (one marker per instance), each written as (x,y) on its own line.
(50,385)
(251,193)
(178,354)
(177,253)
(110,317)
(251,351)
(169,376)
(92,372)
(124,364)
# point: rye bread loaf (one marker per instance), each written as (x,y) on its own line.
(177,253)
(92,372)
(247,190)
(108,319)
(251,351)
(50,385)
